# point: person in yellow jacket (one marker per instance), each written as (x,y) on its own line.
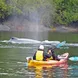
(40,55)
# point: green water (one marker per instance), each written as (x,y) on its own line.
(12,56)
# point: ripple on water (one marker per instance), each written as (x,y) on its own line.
(3,73)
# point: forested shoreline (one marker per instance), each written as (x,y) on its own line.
(46,12)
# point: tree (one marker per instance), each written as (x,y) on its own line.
(4,10)
(66,11)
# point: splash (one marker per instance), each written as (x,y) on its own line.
(30,41)
(16,40)
(25,43)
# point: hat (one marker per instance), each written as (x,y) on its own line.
(41,47)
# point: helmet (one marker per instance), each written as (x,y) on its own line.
(41,47)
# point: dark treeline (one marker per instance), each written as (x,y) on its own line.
(48,12)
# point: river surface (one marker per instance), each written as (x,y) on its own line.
(13,54)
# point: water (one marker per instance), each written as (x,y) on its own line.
(12,55)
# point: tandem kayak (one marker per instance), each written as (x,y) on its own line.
(63,60)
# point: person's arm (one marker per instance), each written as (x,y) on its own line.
(45,56)
(48,55)
(57,58)
(54,56)
(34,56)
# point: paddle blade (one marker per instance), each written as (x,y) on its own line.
(73,58)
(60,44)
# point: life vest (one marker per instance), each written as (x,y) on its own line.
(51,58)
(39,55)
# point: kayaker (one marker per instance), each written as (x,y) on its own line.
(53,56)
(40,55)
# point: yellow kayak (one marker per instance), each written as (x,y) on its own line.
(63,60)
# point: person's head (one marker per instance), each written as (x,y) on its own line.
(50,50)
(41,47)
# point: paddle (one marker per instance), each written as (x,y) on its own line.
(60,44)
(75,58)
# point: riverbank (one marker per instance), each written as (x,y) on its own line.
(64,29)
(36,27)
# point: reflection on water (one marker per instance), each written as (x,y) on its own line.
(38,72)
(50,72)
(17,69)
(54,72)
(73,70)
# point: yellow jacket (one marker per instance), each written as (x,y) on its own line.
(39,55)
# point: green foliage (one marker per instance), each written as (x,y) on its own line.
(4,10)
(66,11)
(57,11)
(41,8)
(27,5)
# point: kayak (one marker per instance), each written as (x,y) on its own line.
(63,59)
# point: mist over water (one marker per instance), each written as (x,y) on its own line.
(34,16)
